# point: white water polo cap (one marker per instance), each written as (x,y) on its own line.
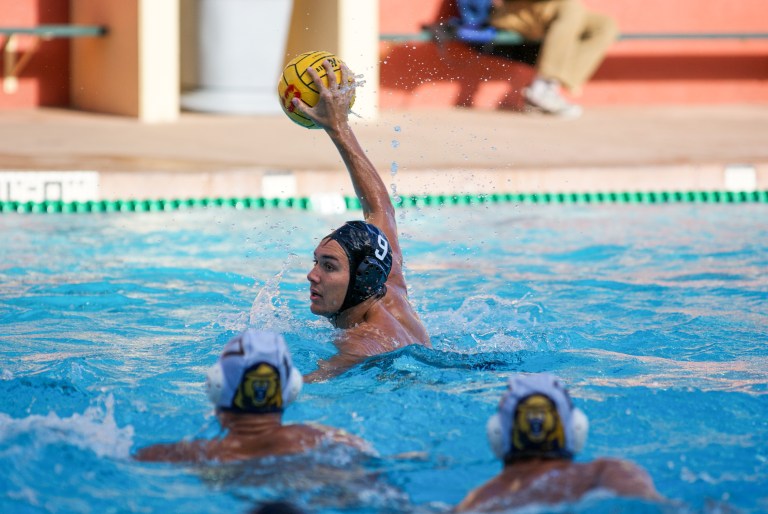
(536,418)
(254,374)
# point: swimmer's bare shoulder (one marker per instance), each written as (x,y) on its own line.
(183,451)
(624,478)
(389,324)
(287,440)
(392,323)
(303,437)
(559,481)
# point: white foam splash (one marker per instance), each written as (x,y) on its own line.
(267,312)
(95,430)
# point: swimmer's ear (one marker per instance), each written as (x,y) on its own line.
(495,436)
(580,424)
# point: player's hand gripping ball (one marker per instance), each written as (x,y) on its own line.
(297,83)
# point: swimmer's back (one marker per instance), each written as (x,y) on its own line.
(558,481)
(285,440)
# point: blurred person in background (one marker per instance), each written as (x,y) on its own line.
(574,41)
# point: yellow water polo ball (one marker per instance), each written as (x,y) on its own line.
(295,82)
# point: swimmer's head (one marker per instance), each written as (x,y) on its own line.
(536,419)
(254,374)
(370,260)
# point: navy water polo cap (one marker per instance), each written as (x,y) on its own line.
(370,260)
(254,374)
(536,418)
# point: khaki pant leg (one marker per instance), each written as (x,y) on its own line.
(561,42)
(575,43)
(600,33)
(522,16)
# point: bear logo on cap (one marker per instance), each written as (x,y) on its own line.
(259,389)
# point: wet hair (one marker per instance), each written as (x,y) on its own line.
(370,260)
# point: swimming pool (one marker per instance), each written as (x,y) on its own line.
(654,315)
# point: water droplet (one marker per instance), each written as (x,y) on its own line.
(393,168)
(395,143)
(397,128)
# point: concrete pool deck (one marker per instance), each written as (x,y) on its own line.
(609,149)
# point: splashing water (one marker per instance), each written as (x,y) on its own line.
(95,430)
(268,310)
(358,81)
(395,195)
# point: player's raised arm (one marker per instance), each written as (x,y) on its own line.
(357,278)
(331,114)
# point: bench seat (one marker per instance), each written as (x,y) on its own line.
(13,63)
(487,35)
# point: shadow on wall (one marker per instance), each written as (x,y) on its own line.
(414,68)
(730,66)
(408,68)
(51,62)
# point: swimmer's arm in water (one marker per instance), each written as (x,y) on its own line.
(333,366)
(355,345)
(337,435)
(332,114)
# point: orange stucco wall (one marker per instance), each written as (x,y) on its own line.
(417,75)
(45,79)
(421,75)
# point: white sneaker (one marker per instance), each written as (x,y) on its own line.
(548,100)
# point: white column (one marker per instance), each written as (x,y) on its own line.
(159,60)
(241,53)
(359,48)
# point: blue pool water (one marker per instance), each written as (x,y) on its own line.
(655,315)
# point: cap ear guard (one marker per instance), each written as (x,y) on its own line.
(292,389)
(370,276)
(580,424)
(495,436)
(214,383)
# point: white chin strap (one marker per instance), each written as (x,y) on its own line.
(579,424)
